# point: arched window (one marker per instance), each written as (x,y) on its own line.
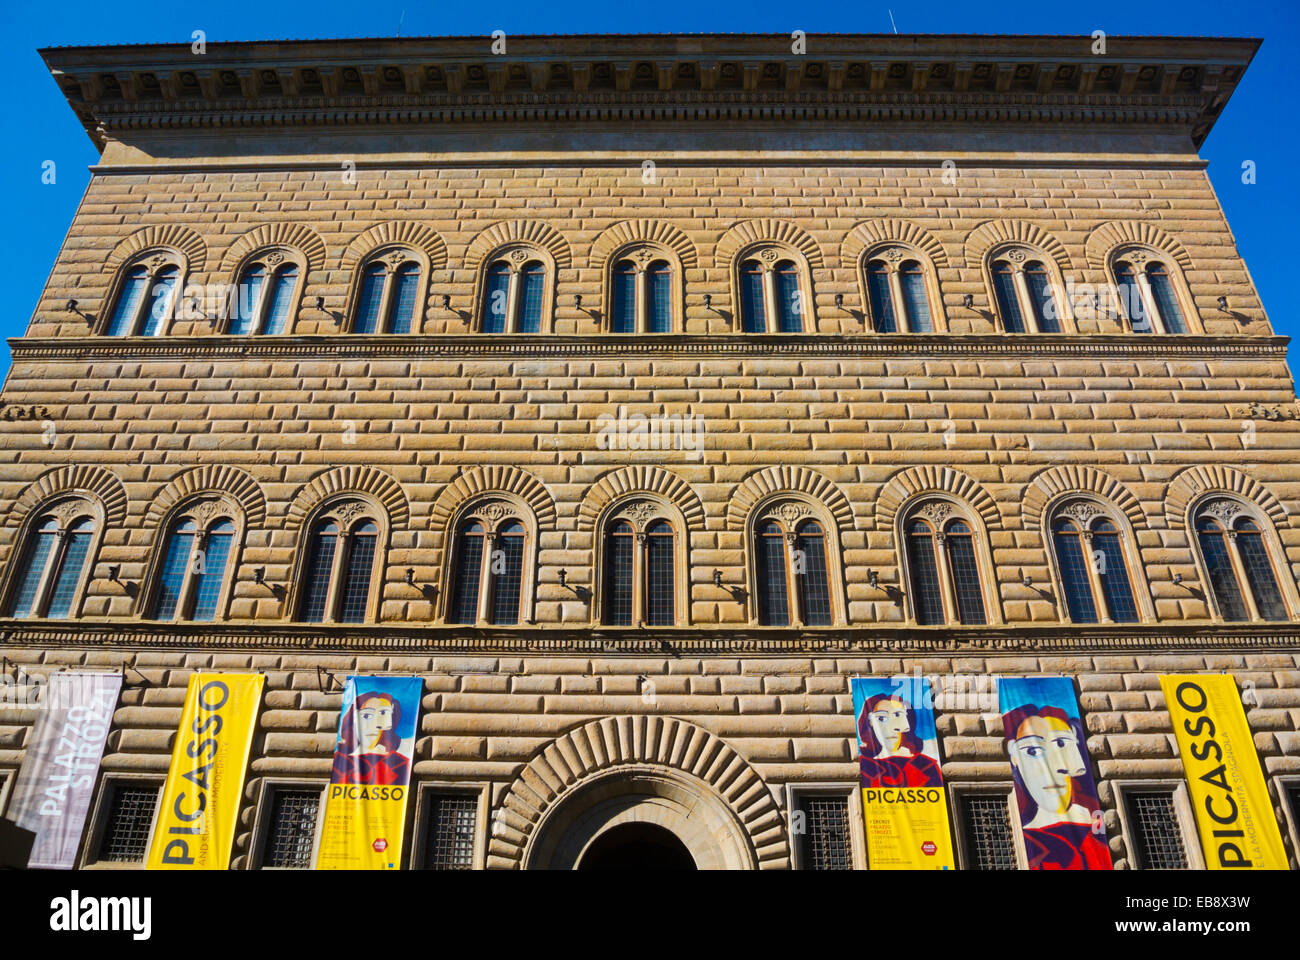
(1147,292)
(643,292)
(1093,566)
(898,293)
(1239,563)
(146,298)
(642,564)
(773,292)
(389,295)
(489,561)
(51,573)
(263,300)
(340,577)
(190,580)
(1025,292)
(516,290)
(792,570)
(943,567)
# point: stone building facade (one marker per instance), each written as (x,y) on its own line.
(742,293)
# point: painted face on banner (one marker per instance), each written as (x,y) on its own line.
(374,719)
(1046,752)
(888,721)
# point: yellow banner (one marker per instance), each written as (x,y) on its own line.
(907,828)
(1234,814)
(195,829)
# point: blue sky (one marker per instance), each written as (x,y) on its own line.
(1259,124)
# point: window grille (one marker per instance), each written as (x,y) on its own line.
(1157,839)
(449,831)
(291,832)
(825,843)
(988,838)
(125,838)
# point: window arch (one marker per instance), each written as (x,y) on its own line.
(1241,561)
(902,290)
(518,288)
(268,286)
(341,567)
(1152,293)
(795,568)
(1027,289)
(50,577)
(641,560)
(490,572)
(390,291)
(772,291)
(644,285)
(949,572)
(1096,564)
(192,576)
(145,295)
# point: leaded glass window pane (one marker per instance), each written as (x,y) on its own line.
(469,568)
(372,295)
(247,296)
(171,578)
(753,316)
(160,306)
(623,315)
(1073,561)
(530,298)
(1004,286)
(1040,295)
(1223,580)
(882,298)
(209,579)
(76,545)
(38,555)
(661,600)
(1131,297)
(1113,571)
(965,573)
(508,582)
(280,300)
(914,295)
(618,575)
(927,592)
(1166,301)
(814,583)
(128,302)
(1259,571)
(773,595)
(496,298)
(788,298)
(407,279)
(320,564)
(356,577)
(660,292)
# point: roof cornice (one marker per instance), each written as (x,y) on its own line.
(1183,82)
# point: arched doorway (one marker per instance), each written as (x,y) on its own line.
(637,846)
(658,816)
